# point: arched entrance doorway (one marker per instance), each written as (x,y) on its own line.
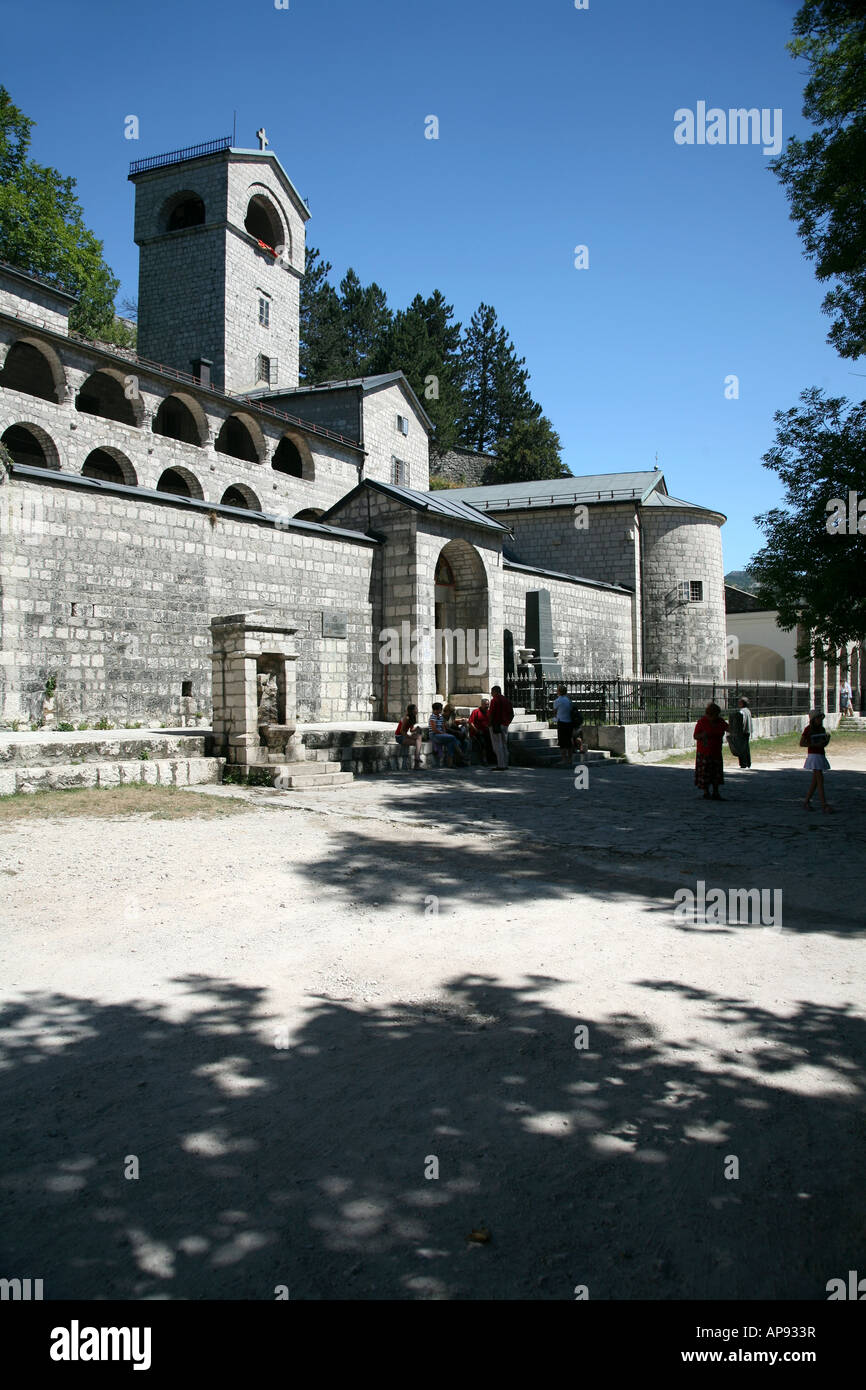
(461,648)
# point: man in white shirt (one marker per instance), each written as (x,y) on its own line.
(564,724)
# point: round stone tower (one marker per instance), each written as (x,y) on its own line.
(683,589)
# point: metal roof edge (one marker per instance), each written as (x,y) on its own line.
(571,578)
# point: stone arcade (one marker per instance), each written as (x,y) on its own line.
(150,494)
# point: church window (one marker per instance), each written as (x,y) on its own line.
(263,223)
(266,369)
(690,591)
(399,473)
(189,212)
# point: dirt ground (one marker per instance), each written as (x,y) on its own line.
(334,1043)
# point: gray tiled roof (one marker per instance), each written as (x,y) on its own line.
(439,503)
(559,492)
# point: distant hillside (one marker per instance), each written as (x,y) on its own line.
(741,579)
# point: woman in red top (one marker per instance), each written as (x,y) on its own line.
(709,767)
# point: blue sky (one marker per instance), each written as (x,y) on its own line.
(556,129)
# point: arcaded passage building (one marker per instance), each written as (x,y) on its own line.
(144,494)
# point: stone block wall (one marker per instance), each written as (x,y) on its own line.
(462,467)
(114,595)
(683,638)
(383,441)
(20,294)
(338,410)
(69,435)
(547,537)
(592,627)
(199,286)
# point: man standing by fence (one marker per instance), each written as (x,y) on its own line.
(501,714)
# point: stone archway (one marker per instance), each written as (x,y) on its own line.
(461,621)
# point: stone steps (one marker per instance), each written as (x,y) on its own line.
(163,772)
(311,776)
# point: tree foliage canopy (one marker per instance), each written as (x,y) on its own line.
(42,231)
(530,451)
(807,573)
(825,175)
(470,381)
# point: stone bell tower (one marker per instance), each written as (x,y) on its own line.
(220,232)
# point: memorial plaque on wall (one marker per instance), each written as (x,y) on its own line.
(335,623)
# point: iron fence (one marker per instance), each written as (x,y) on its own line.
(656,700)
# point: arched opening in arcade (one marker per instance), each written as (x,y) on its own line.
(31,446)
(239,495)
(29,368)
(181,483)
(109,466)
(175,419)
(293,457)
(104,394)
(235,439)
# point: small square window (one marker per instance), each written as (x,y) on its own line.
(185,690)
(263,368)
(264,312)
(399,473)
(696,591)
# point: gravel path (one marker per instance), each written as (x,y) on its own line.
(291,1018)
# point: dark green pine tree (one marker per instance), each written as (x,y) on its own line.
(496,391)
(529,451)
(423,341)
(322,351)
(366,320)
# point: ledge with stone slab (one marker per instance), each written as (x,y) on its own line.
(647,743)
(47,760)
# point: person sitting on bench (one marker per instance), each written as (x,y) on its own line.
(443,743)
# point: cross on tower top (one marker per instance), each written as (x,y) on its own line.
(262,138)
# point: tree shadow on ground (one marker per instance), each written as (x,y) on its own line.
(635,834)
(304,1165)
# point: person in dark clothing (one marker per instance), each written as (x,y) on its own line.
(501,714)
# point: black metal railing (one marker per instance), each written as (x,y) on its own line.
(156,161)
(657,700)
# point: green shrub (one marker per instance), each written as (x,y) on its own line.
(103,723)
(83,725)
(65,728)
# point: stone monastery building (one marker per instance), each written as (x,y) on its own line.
(149,494)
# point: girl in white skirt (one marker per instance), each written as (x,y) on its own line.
(814,739)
